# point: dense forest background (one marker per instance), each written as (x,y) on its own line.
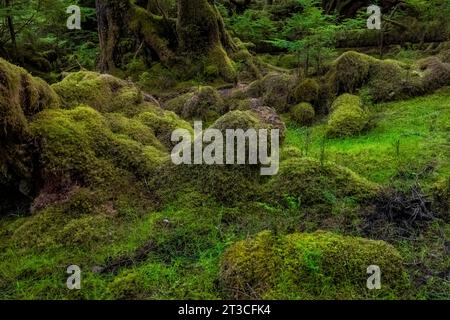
(86,179)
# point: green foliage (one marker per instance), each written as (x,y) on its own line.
(313,33)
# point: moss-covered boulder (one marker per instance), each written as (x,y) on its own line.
(311,182)
(177,104)
(350,71)
(79,145)
(307,91)
(436,73)
(303,113)
(347,117)
(388,80)
(102,92)
(318,265)
(275,90)
(206,104)
(163,123)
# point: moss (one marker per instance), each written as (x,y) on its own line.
(157,77)
(307,91)
(436,74)
(218,62)
(126,286)
(177,104)
(205,105)
(347,117)
(346,99)
(237,120)
(102,92)
(389,80)
(76,143)
(303,113)
(310,182)
(21,97)
(318,265)
(86,231)
(274,89)
(163,123)
(133,129)
(350,71)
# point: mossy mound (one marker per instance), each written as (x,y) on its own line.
(275,90)
(206,105)
(350,71)
(388,81)
(303,113)
(76,143)
(307,91)
(318,265)
(163,123)
(177,104)
(102,92)
(347,117)
(51,228)
(436,74)
(310,182)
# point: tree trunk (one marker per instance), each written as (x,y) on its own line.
(201,33)
(118,19)
(198,35)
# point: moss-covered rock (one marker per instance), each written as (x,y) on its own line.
(347,117)
(75,143)
(390,80)
(387,80)
(311,182)
(318,265)
(303,113)
(177,104)
(275,90)
(163,123)
(306,91)
(134,129)
(436,74)
(206,105)
(102,92)
(350,71)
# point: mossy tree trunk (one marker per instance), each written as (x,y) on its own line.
(118,19)
(198,33)
(201,33)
